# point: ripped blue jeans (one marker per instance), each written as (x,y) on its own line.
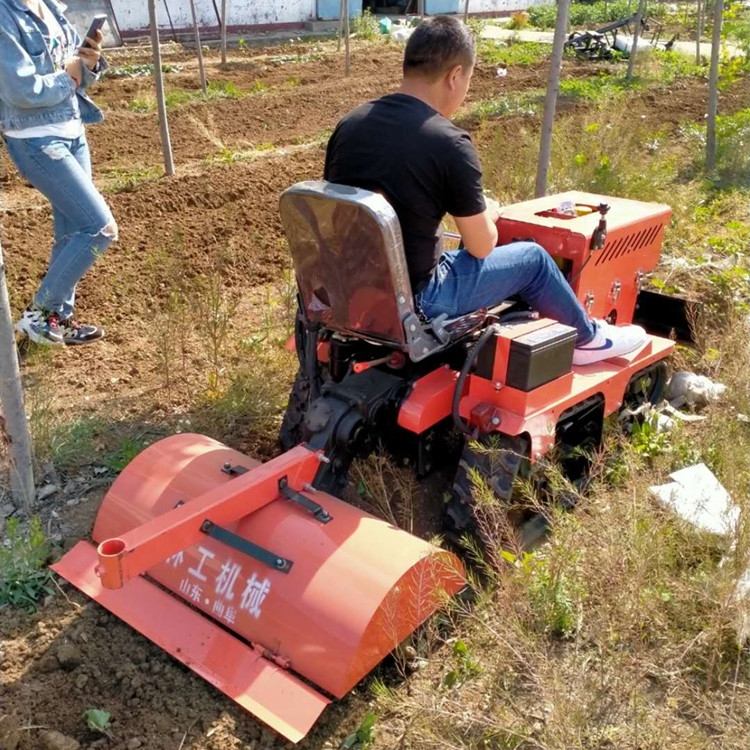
(60,169)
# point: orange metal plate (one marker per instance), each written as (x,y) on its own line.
(276,697)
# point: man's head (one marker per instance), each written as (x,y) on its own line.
(440,54)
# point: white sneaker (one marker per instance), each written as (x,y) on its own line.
(609,341)
(41,327)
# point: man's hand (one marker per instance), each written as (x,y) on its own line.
(74,70)
(91,54)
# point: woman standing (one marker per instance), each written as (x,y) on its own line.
(44,74)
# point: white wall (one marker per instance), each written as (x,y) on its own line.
(500,6)
(132,15)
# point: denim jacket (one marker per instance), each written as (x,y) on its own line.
(32,92)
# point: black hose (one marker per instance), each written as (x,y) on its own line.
(471,358)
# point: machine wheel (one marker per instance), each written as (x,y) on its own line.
(499,466)
(646,386)
(290,433)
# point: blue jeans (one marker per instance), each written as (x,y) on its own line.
(60,169)
(462,283)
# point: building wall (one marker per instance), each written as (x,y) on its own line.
(132,15)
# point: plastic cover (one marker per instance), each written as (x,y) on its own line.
(349,259)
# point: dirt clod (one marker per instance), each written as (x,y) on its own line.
(69,656)
(52,740)
(10,734)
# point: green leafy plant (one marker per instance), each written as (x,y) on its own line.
(366,26)
(24,577)
(647,440)
(99,720)
(466,667)
(128,449)
(519,20)
(363,737)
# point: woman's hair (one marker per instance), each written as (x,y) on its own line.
(437,45)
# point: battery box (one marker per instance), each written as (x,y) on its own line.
(540,356)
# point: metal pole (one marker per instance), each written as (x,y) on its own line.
(699,32)
(201,66)
(14,428)
(636,35)
(346,37)
(550,100)
(466,11)
(169,18)
(223,32)
(713,89)
(166,145)
(420,8)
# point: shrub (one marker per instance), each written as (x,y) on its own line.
(366,26)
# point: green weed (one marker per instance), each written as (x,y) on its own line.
(508,55)
(364,735)
(366,26)
(123,180)
(99,720)
(126,451)
(465,666)
(24,577)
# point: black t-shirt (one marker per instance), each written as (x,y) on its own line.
(421,162)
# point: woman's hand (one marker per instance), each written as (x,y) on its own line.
(74,70)
(90,55)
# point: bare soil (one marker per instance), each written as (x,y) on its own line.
(71,655)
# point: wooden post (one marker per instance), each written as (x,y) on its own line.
(14,428)
(341,25)
(347,52)
(166,145)
(201,66)
(699,31)
(636,35)
(713,88)
(550,100)
(223,32)
(466,11)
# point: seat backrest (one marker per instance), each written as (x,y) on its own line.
(349,260)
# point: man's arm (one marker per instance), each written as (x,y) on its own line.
(478,232)
(475,214)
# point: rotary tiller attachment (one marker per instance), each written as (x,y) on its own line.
(254,580)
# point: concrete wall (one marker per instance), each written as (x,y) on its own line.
(132,15)
(502,7)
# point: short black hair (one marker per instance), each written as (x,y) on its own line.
(437,45)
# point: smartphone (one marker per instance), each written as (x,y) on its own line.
(96,25)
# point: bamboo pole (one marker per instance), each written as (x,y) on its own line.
(347,51)
(201,66)
(166,145)
(636,36)
(13,425)
(550,100)
(713,88)
(223,32)
(341,25)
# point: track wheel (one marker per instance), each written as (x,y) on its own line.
(497,459)
(290,433)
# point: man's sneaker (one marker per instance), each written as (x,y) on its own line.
(41,327)
(75,333)
(609,341)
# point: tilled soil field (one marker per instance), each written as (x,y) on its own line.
(71,656)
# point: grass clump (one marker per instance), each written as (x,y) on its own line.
(510,54)
(24,577)
(366,26)
(124,180)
